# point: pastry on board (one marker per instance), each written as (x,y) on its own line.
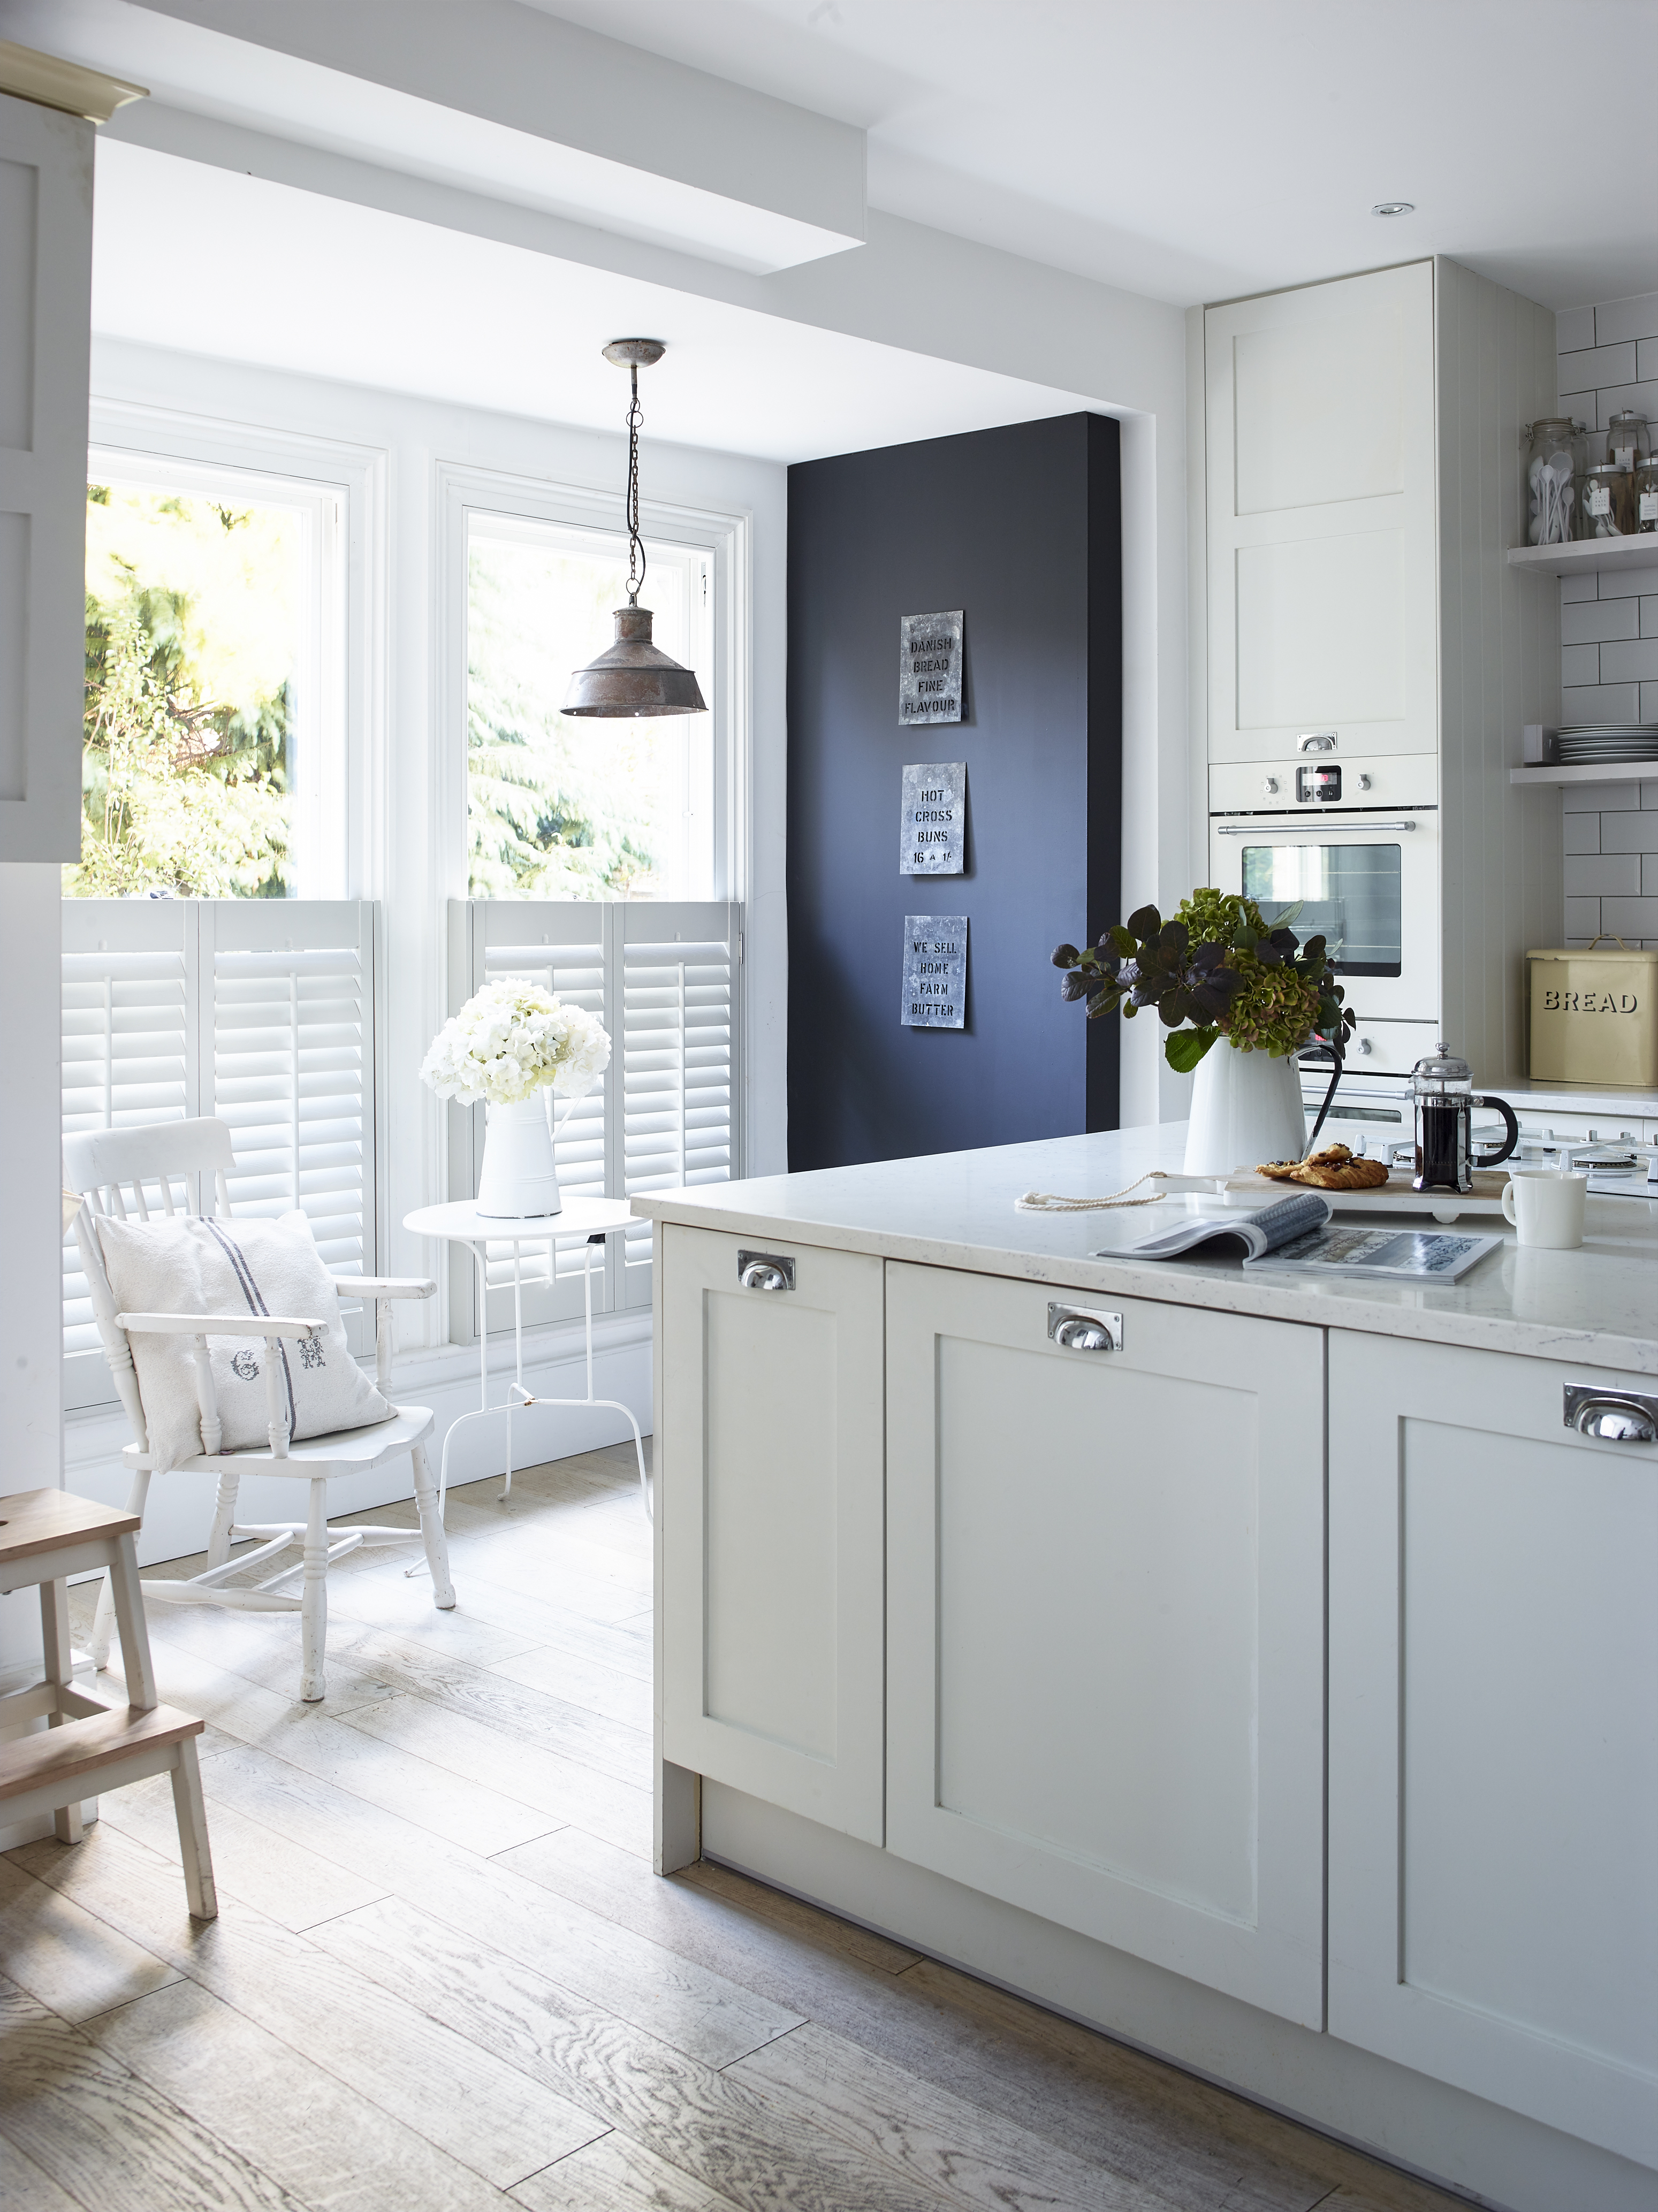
(1336,1168)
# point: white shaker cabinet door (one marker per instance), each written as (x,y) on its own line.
(1321,519)
(1494,1734)
(45,288)
(1106,1623)
(769,1492)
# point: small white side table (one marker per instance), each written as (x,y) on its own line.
(587,1220)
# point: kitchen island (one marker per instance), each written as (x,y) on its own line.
(1259,1668)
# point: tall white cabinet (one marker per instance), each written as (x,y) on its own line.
(1361,481)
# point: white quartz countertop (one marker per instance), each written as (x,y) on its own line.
(1597,1306)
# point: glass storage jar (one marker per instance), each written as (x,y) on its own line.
(1555,456)
(1646,495)
(1628,442)
(1606,500)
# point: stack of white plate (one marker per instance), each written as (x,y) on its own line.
(1582,744)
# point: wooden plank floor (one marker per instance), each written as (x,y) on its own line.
(444,1976)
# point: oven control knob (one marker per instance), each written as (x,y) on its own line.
(1269,787)
(1364,783)
(1365,1046)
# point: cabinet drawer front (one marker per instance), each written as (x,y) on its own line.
(770,1496)
(1494,1734)
(1104,1623)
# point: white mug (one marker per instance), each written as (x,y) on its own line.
(1545,1206)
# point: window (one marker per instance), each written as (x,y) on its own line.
(565,808)
(213,742)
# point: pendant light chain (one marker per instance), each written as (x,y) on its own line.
(635,551)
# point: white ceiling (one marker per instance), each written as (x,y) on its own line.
(1195,150)
(287,279)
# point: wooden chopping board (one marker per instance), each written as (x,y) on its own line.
(1395,1196)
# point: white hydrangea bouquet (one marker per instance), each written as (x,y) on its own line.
(510,1041)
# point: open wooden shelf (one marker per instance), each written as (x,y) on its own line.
(1588,557)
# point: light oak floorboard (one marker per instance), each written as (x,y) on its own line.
(29,2188)
(334,2149)
(66,1957)
(557,1672)
(709,2124)
(289,1885)
(670,1998)
(313,1739)
(616,2174)
(949,2144)
(489,2117)
(491,1618)
(561,1788)
(107,2139)
(696,1920)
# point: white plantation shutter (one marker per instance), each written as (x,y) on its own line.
(660,977)
(258,1012)
(129,1046)
(678,990)
(290,1063)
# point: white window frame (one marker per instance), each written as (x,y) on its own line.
(726,538)
(344,486)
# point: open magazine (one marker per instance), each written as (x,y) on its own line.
(1296,1233)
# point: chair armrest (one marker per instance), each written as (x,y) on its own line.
(166,1324)
(385,1287)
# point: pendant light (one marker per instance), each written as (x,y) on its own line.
(633,677)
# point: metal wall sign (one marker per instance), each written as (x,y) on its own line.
(935,971)
(930,668)
(932,840)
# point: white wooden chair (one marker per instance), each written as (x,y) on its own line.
(135,1173)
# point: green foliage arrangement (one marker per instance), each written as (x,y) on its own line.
(190,625)
(1218,970)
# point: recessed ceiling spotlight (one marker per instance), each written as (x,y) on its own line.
(1394,207)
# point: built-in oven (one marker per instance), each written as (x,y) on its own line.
(1366,879)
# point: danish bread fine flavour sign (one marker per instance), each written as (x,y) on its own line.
(930,668)
(935,971)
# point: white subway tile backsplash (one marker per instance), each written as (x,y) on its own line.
(1618,319)
(1599,703)
(1609,642)
(1606,364)
(1599,798)
(1629,660)
(1591,621)
(1631,831)
(1633,583)
(1611,399)
(1629,917)
(1597,875)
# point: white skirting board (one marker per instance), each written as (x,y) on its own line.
(180,1508)
(1499,2158)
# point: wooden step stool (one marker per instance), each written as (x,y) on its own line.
(46,1536)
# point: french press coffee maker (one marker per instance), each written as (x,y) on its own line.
(1441,1086)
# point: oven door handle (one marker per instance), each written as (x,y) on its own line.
(1349,824)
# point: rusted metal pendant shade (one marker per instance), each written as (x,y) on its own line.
(634,677)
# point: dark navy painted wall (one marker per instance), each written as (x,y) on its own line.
(1020,528)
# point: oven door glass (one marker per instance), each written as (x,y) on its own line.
(1350,895)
